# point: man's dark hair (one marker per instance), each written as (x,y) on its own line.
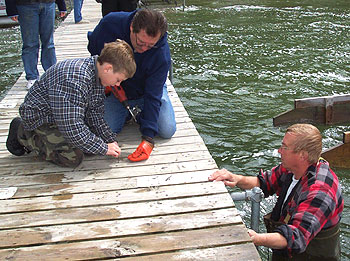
(152,21)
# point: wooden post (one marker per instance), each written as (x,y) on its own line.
(325,110)
(346,137)
(329,110)
(339,156)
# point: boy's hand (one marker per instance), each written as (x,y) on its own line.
(113,149)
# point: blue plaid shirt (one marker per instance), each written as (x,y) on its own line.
(69,95)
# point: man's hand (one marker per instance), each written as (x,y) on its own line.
(113,149)
(63,13)
(271,240)
(255,237)
(14,18)
(142,152)
(232,180)
(227,177)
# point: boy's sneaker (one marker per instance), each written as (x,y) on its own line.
(12,142)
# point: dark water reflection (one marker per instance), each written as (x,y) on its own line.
(10,58)
(237,64)
(11,66)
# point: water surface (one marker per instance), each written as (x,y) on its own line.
(237,64)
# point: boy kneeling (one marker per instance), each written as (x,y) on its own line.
(62,114)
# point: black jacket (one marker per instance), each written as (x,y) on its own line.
(11,5)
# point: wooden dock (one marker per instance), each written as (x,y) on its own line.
(160,209)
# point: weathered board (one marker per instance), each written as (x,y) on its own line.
(326,110)
(339,155)
(160,209)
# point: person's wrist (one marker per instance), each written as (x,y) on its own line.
(148,140)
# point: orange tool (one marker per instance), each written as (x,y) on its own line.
(119,92)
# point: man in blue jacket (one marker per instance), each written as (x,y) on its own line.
(146,31)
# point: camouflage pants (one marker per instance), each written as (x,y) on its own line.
(49,144)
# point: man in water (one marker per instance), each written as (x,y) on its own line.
(305,220)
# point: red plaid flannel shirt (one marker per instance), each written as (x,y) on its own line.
(317,203)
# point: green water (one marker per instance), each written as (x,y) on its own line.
(11,66)
(237,64)
(10,58)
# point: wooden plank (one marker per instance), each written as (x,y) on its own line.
(341,113)
(115,211)
(320,101)
(30,166)
(92,198)
(338,156)
(329,117)
(325,110)
(126,134)
(121,228)
(110,184)
(132,246)
(346,137)
(313,115)
(188,136)
(245,252)
(62,177)
(180,127)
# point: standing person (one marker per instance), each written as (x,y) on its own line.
(304,224)
(109,6)
(62,114)
(146,31)
(37,21)
(78,18)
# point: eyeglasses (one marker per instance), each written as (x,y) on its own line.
(284,147)
(143,44)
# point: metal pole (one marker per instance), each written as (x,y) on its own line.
(238,196)
(171,71)
(255,196)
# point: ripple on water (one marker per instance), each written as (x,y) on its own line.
(238,66)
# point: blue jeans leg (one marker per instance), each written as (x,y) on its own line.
(77,10)
(28,17)
(46,31)
(37,19)
(116,115)
(166,120)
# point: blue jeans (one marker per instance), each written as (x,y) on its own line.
(116,114)
(37,21)
(77,10)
